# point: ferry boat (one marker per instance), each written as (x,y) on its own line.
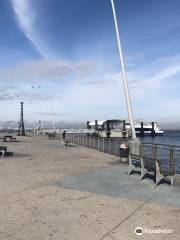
(107,128)
(147,129)
(115,128)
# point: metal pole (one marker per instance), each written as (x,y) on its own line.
(103,144)
(124,77)
(21,130)
(109,145)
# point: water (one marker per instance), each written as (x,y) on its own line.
(163,153)
(170,137)
(111,146)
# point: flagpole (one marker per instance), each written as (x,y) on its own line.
(124,77)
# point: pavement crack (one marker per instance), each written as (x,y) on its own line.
(126,218)
(75,199)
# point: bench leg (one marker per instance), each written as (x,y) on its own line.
(158,179)
(3,153)
(158,175)
(143,170)
(131,168)
(172,180)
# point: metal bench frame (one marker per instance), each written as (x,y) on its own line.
(138,161)
(3,150)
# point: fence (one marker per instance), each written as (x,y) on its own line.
(163,153)
(106,145)
(168,155)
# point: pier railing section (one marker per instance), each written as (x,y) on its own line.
(106,145)
(167,155)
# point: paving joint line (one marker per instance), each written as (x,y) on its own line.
(126,218)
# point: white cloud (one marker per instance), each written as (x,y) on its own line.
(26,17)
(46,76)
(45,69)
(152,77)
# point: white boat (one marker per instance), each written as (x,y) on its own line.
(103,128)
(146,130)
(114,128)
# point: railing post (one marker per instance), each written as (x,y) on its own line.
(98,144)
(90,141)
(109,148)
(154,151)
(141,150)
(116,151)
(172,165)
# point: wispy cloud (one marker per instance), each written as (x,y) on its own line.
(26,17)
(51,75)
(23,95)
(45,69)
(149,82)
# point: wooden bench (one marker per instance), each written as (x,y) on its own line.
(65,141)
(8,138)
(51,135)
(150,166)
(3,150)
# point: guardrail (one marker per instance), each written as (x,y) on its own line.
(168,155)
(106,145)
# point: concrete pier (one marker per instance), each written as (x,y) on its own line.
(49,191)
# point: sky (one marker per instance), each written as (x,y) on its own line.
(61,58)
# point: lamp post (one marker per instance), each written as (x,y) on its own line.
(21,130)
(124,77)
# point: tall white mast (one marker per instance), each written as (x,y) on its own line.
(124,77)
(52,114)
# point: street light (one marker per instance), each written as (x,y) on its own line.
(124,77)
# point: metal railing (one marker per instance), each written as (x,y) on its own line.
(167,155)
(106,145)
(163,153)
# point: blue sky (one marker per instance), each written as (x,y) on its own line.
(67,50)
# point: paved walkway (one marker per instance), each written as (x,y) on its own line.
(48,191)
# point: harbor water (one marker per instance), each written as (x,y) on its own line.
(112,146)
